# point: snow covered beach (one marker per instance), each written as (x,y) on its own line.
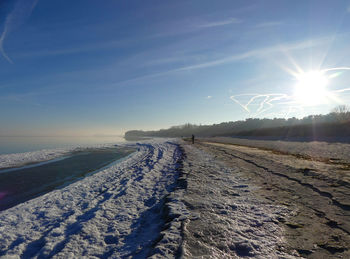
(171,199)
(116,212)
(123,211)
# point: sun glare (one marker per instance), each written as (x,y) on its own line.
(311,88)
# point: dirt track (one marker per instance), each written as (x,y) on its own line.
(316,194)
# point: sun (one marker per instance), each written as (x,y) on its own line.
(311,88)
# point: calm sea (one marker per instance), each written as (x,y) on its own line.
(10,145)
(18,185)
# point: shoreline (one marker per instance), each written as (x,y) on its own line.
(114,212)
(18,185)
(173,199)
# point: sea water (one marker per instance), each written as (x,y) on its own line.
(18,185)
(9,145)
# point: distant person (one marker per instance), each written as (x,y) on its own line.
(192,139)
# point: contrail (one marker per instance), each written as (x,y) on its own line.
(2,38)
(342,90)
(268,101)
(271,100)
(19,14)
(335,69)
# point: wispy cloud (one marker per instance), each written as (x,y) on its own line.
(255,53)
(220,23)
(19,14)
(268,24)
(258,53)
(2,38)
(78,49)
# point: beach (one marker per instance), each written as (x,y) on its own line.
(211,199)
(292,204)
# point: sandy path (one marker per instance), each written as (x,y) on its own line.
(227,219)
(308,203)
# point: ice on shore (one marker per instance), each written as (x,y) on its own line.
(20,159)
(143,207)
(117,212)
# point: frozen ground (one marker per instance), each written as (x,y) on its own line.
(227,220)
(315,193)
(171,199)
(118,212)
(321,150)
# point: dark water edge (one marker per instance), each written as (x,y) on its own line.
(22,184)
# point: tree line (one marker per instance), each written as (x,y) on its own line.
(334,124)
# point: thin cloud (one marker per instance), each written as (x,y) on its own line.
(2,38)
(257,53)
(220,23)
(74,50)
(267,24)
(19,14)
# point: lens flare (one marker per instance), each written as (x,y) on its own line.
(311,88)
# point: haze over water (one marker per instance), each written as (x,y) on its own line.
(9,145)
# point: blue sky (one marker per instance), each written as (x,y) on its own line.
(104,67)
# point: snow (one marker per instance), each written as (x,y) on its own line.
(227,219)
(20,159)
(154,203)
(117,212)
(314,149)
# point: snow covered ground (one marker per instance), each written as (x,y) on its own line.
(314,149)
(118,212)
(227,220)
(166,200)
(20,159)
